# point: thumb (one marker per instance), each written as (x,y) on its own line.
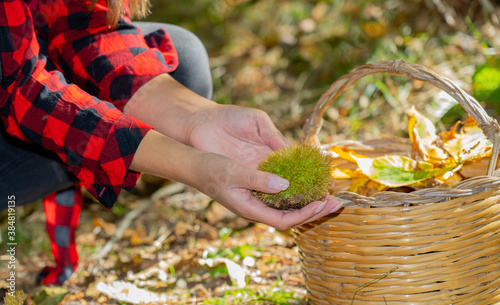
(270,134)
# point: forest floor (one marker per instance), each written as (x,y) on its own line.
(166,243)
(180,249)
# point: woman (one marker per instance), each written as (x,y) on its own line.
(118,101)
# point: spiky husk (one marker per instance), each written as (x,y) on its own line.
(306,168)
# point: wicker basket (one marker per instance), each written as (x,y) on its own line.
(432,246)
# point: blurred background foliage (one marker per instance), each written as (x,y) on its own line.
(280,56)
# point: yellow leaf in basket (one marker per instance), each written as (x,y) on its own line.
(396,171)
(366,187)
(469,122)
(344,173)
(470,144)
(346,153)
(443,181)
(450,180)
(450,134)
(423,136)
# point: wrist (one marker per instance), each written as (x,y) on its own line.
(169,107)
(162,156)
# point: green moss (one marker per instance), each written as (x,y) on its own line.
(306,168)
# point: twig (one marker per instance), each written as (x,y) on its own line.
(123,226)
(129,218)
(168,190)
(488,9)
(448,13)
(371,282)
(159,241)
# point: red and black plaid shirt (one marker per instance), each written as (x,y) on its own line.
(77,113)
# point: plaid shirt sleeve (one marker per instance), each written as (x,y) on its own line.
(95,139)
(108,63)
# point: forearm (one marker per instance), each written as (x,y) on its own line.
(210,173)
(168,106)
(165,157)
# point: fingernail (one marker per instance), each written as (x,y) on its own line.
(336,208)
(320,207)
(277,183)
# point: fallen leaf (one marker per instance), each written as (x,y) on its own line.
(107,227)
(346,153)
(395,171)
(342,173)
(235,271)
(470,144)
(137,240)
(217,212)
(50,295)
(366,187)
(128,292)
(423,136)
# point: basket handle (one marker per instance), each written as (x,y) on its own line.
(489,125)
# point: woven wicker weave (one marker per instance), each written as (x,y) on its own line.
(432,246)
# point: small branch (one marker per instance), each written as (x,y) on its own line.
(123,226)
(488,9)
(129,218)
(448,13)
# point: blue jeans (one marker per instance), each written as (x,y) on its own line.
(30,172)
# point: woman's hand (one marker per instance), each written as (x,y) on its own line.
(246,136)
(243,134)
(230,184)
(224,180)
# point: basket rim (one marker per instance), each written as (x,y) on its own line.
(466,187)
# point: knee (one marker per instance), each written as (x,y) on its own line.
(194,68)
